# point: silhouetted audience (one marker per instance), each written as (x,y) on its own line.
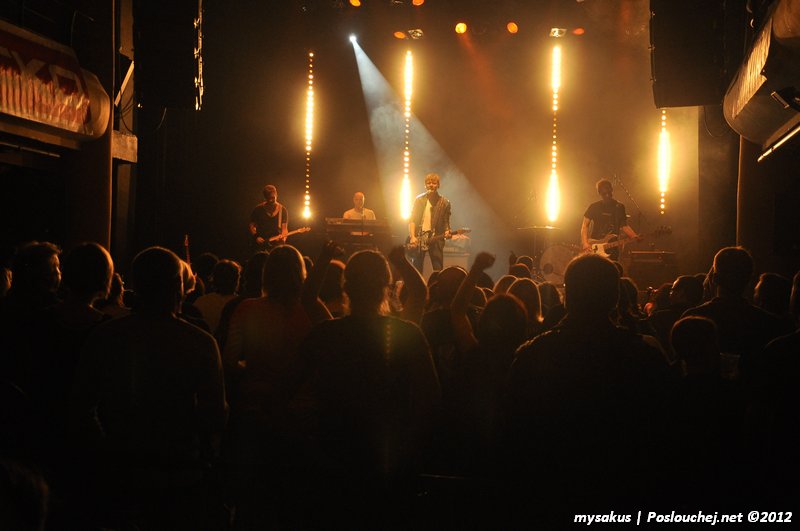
(55,336)
(552,305)
(527,292)
(36,276)
(586,415)
(743,328)
(332,291)
(114,304)
(250,289)
(628,314)
(149,404)
(519,270)
(436,322)
(774,419)
(709,447)
(686,292)
(657,299)
(264,337)
(203,265)
(373,392)
(191,291)
(23,498)
(226,283)
(484,357)
(772,293)
(503,283)
(5,281)
(457,403)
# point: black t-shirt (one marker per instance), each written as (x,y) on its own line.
(266,225)
(608,218)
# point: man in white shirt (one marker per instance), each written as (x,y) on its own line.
(358,211)
(429,225)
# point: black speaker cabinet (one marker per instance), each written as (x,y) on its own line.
(687,52)
(652,268)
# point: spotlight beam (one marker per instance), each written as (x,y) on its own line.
(386,120)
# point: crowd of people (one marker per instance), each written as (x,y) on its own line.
(333,392)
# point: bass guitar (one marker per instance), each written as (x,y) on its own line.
(611,241)
(425,239)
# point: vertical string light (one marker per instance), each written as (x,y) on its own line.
(405,190)
(664,161)
(309,134)
(553,197)
(198,58)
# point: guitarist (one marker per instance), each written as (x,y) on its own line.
(267,220)
(606,216)
(430,216)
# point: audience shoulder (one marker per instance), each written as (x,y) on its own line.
(192,332)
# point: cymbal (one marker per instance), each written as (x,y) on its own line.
(546,227)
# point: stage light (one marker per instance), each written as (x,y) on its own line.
(558,32)
(553,195)
(353,38)
(461,27)
(417,2)
(355,3)
(309,135)
(400,35)
(578,31)
(405,187)
(555,77)
(664,160)
(512,27)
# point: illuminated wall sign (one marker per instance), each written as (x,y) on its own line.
(42,81)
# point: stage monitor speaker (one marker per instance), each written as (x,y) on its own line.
(687,57)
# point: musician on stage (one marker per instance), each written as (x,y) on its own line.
(429,225)
(606,216)
(268,220)
(358,211)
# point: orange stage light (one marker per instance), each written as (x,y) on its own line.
(355,3)
(417,2)
(512,27)
(461,27)
(578,31)
(399,35)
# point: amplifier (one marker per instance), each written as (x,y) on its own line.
(652,268)
(653,257)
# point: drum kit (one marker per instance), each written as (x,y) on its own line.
(553,260)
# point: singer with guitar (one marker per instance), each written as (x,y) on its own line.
(605,217)
(269,221)
(429,225)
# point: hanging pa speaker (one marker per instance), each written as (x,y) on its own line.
(687,52)
(167,53)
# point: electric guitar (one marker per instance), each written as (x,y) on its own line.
(602,247)
(425,239)
(272,240)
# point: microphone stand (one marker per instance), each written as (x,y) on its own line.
(639,214)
